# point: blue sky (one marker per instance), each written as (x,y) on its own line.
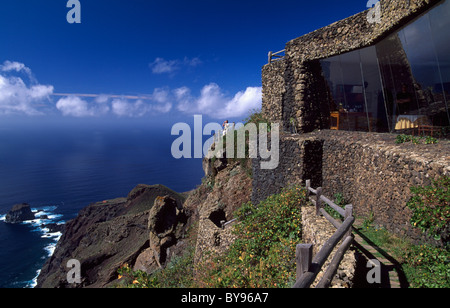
(142,59)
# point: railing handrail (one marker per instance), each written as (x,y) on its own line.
(308,268)
(276,55)
(319,260)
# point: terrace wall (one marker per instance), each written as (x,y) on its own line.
(371,171)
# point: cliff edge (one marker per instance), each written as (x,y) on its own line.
(104,236)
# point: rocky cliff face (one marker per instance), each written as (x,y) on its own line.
(106,235)
(148,227)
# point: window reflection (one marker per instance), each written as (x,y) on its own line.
(439,19)
(401,83)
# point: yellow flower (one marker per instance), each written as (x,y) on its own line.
(135,282)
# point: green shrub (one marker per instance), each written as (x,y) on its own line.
(428,267)
(431,208)
(177,274)
(263,255)
(415,140)
(256,116)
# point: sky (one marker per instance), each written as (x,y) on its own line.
(145,59)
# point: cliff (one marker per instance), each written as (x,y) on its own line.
(104,236)
(148,228)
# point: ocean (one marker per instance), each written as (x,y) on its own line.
(60,167)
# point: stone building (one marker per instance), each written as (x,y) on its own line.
(382,70)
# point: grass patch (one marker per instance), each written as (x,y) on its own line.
(424,266)
(263,255)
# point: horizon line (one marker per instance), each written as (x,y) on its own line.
(107,95)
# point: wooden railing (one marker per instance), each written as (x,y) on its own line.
(307,267)
(275,56)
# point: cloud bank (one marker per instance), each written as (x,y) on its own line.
(211,101)
(215,103)
(20,93)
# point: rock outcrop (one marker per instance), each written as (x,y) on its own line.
(166,225)
(104,236)
(19,213)
(226,187)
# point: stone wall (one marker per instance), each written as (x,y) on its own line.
(215,202)
(274,90)
(371,171)
(294,88)
(375,174)
(300,159)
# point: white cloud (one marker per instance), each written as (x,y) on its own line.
(102,98)
(243,102)
(16,97)
(74,106)
(13,66)
(124,108)
(161,66)
(127,106)
(215,103)
(183,99)
(192,62)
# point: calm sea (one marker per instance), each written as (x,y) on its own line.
(60,168)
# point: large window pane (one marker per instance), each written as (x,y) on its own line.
(373,91)
(418,44)
(400,83)
(439,19)
(347,86)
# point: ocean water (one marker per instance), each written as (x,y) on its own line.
(60,168)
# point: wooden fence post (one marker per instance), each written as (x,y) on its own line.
(318,201)
(308,186)
(303,257)
(348,213)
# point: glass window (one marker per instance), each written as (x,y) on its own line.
(439,19)
(347,88)
(400,83)
(397,80)
(377,116)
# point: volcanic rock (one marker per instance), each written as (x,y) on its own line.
(19,213)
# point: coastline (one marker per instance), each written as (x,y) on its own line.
(43,217)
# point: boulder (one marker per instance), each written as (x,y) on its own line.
(166,225)
(19,213)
